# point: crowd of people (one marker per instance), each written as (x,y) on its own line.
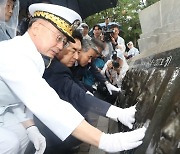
(49,75)
(112,61)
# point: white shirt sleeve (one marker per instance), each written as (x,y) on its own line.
(105,67)
(121,43)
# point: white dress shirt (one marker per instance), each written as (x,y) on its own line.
(121,44)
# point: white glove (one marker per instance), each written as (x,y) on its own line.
(122,141)
(125,116)
(88,92)
(111,88)
(37,139)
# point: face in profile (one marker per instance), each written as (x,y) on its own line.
(86,57)
(70,54)
(48,39)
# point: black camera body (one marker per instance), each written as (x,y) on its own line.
(115,63)
(107,35)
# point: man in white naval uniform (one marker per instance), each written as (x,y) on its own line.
(22,67)
(14,138)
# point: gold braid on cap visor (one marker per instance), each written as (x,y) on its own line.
(59,22)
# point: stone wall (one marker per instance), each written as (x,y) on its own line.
(153,80)
(160,23)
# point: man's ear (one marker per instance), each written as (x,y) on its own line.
(35,28)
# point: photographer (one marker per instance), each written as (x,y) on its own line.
(117,41)
(112,70)
(113,41)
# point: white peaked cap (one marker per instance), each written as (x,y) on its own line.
(61,17)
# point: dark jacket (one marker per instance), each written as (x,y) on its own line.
(79,72)
(61,79)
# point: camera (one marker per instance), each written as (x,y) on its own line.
(115,63)
(107,35)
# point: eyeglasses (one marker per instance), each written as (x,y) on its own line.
(59,38)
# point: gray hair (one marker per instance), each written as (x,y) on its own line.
(88,44)
(98,43)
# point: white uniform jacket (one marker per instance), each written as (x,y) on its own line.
(21,68)
(10,102)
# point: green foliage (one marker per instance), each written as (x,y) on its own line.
(150,2)
(125,13)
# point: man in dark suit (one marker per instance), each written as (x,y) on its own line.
(61,79)
(86,66)
(85,62)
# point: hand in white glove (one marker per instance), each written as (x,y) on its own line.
(88,92)
(125,116)
(111,88)
(122,141)
(37,139)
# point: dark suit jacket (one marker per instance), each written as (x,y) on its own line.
(79,72)
(61,79)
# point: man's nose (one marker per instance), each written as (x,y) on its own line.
(89,61)
(76,56)
(10,9)
(60,45)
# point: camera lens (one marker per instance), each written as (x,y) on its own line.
(115,64)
